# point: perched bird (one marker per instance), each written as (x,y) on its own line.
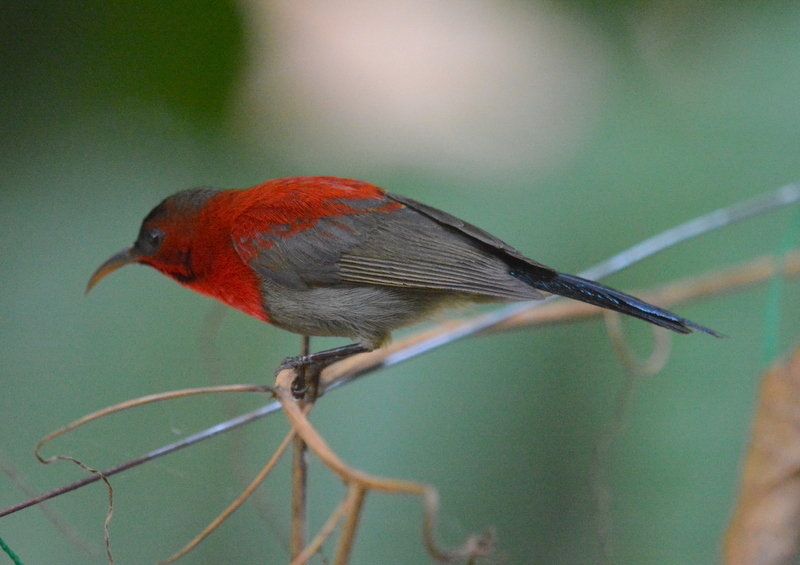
(325,256)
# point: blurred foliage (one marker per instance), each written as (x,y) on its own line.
(74,55)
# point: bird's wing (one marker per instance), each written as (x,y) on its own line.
(465,228)
(387,241)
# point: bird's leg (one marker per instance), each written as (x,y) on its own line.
(301,392)
(310,366)
(300,387)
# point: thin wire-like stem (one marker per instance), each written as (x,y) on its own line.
(119,408)
(169,449)
(720,218)
(67,530)
(141,401)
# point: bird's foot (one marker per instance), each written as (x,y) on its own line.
(306,383)
(309,367)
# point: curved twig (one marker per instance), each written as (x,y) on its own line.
(474,547)
(238,502)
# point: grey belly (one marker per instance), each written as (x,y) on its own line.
(367,314)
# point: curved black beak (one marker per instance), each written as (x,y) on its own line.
(112,264)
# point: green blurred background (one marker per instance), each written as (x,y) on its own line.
(570,129)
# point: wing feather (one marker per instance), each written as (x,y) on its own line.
(391,241)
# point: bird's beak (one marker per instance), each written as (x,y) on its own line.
(112,264)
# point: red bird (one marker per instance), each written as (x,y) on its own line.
(324,256)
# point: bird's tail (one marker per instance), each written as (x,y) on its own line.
(594,293)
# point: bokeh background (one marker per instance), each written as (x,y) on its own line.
(570,129)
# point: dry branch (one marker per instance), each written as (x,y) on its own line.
(360,483)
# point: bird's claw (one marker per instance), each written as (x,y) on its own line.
(309,367)
(307,374)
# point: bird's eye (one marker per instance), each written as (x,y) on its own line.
(149,241)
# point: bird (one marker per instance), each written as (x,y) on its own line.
(328,256)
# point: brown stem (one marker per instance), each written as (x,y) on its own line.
(256,482)
(300,473)
(326,531)
(476,546)
(358,494)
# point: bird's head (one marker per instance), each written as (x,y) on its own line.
(165,238)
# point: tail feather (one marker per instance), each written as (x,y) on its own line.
(594,293)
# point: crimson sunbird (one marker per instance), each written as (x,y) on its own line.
(326,256)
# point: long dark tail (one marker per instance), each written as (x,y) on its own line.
(599,295)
